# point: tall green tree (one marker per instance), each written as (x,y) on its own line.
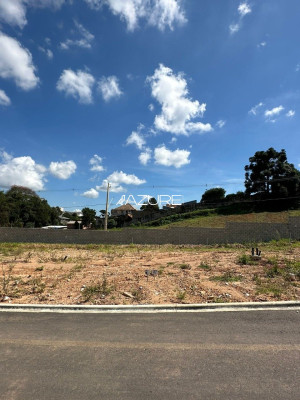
(150,205)
(26,208)
(88,216)
(269,175)
(214,195)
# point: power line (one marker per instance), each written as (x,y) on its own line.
(224,183)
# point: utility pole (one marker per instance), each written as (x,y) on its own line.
(106,207)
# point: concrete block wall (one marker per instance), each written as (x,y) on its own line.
(232,233)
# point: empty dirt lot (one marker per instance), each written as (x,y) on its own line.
(98,274)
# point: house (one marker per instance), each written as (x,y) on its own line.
(126,209)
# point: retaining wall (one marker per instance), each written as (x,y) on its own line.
(233,233)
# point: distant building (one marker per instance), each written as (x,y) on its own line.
(126,209)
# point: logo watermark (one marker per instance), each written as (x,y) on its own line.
(162,199)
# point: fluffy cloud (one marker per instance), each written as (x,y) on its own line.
(16,63)
(158,13)
(77,84)
(254,110)
(145,156)
(22,171)
(109,88)
(95,163)
(120,177)
(274,112)
(177,158)
(84,41)
(290,113)
(244,9)
(13,12)
(116,179)
(137,139)
(62,170)
(91,194)
(178,109)
(4,99)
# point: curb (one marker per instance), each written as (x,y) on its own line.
(151,308)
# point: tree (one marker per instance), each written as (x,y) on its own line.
(214,195)
(151,205)
(4,210)
(270,176)
(26,208)
(88,216)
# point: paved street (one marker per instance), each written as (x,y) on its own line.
(212,355)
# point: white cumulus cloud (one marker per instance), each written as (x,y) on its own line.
(78,85)
(62,170)
(21,171)
(13,12)
(176,158)
(91,194)
(274,112)
(109,88)
(96,163)
(244,9)
(16,63)
(121,177)
(145,156)
(84,40)
(178,109)
(158,13)
(4,99)
(137,139)
(117,179)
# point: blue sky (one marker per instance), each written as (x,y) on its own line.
(156,96)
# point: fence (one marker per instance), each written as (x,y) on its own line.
(232,233)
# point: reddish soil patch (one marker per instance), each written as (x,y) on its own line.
(146,275)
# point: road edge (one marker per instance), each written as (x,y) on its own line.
(151,308)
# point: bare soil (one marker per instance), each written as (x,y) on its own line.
(57,274)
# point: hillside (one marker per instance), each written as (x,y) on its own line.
(219,221)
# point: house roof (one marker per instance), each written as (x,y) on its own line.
(125,207)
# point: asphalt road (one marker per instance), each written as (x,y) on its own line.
(210,356)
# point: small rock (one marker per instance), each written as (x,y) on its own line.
(247,294)
(6,298)
(128,294)
(292,277)
(226,283)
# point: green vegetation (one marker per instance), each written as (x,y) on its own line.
(22,207)
(185,266)
(181,295)
(101,289)
(227,277)
(204,266)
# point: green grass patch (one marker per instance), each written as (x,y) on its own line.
(204,266)
(185,266)
(101,289)
(227,277)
